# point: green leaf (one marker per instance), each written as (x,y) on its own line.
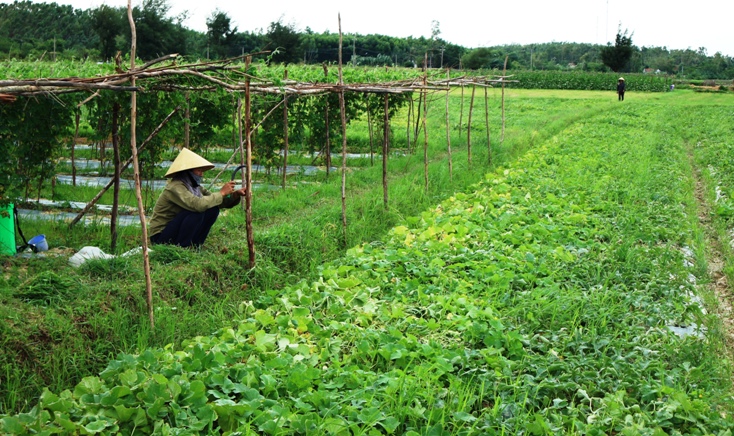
(88,385)
(12,425)
(348,283)
(464,417)
(265,341)
(264,318)
(96,426)
(390,424)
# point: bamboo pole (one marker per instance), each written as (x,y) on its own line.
(407,127)
(385,150)
(504,73)
(248,165)
(461,108)
(468,125)
(369,130)
(236,115)
(240,143)
(73,146)
(187,121)
(418,115)
(486,122)
(327,160)
(285,133)
(448,128)
(136,169)
(424,96)
(342,110)
(116,178)
(285,138)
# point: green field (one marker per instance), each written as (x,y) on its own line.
(577,285)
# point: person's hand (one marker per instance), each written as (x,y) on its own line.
(241,192)
(227,189)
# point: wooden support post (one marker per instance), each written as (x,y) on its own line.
(468,125)
(407,127)
(461,108)
(327,127)
(369,129)
(136,169)
(504,74)
(285,133)
(116,178)
(424,96)
(187,120)
(385,150)
(73,146)
(486,122)
(248,166)
(342,110)
(448,126)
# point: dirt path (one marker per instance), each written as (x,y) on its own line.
(719,284)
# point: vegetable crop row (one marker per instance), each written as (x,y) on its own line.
(540,303)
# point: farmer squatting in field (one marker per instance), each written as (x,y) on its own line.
(185,211)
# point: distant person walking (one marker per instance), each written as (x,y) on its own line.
(620,88)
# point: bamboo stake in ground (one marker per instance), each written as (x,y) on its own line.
(385,150)
(73,146)
(418,116)
(248,165)
(461,108)
(448,126)
(369,129)
(116,178)
(285,133)
(285,138)
(407,127)
(327,161)
(504,73)
(486,122)
(342,110)
(240,144)
(187,121)
(136,169)
(424,96)
(468,125)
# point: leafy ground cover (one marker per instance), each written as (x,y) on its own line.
(103,312)
(561,294)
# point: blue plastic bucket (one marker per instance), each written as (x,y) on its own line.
(38,243)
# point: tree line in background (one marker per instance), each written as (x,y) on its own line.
(50,30)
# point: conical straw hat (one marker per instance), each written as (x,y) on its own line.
(188,160)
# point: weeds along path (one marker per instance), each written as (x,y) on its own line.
(718,285)
(704,126)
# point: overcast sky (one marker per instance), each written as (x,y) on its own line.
(471,23)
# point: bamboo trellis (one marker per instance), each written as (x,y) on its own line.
(187,78)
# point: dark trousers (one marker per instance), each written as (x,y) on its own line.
(187,228)
(621,96)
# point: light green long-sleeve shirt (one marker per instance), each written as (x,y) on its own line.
(177,197)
